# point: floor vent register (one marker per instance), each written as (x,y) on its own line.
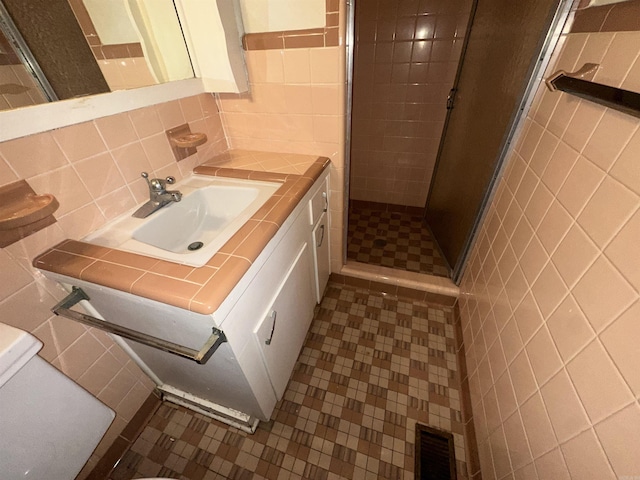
(435,454)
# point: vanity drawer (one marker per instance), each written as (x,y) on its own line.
(319,203)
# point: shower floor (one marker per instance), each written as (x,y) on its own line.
(380,234)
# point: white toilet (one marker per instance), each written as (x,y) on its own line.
(49,426)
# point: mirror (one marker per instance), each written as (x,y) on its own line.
(58,49)
(597,3)
(261,16)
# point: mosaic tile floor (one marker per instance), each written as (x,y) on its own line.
(372,366)
(392,239)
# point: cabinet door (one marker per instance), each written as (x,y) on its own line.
(321,258)
(283,328)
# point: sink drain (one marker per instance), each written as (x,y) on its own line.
(195,246)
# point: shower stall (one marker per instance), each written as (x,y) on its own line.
(437,89)
(405,62)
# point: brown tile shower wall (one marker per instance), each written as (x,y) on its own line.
(551,305)
(93,169)
(616,17)
(406,58)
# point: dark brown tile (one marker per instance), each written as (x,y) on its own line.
(141,417)
(411,293)
(97,52)
(268,176)
(304,41)
(263,41)
(332,37)
(332,6)
(440,299)
(135,50)
(109,459)
(623,17)
(590,19)
(357,282)
(115,51)
(332,19)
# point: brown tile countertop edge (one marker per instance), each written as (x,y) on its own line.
(199,289)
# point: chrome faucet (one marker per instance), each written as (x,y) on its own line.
(159,196)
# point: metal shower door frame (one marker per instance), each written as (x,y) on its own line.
(551,39)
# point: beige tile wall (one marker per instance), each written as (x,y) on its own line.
(125,73)
(550,303)
(406,58)
(94,171)
(295,104)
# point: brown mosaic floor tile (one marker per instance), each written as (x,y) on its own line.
(372,366)
(392,239)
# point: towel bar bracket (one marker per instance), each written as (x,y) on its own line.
(579,84)
(201,356)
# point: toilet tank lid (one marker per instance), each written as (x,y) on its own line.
(16,348)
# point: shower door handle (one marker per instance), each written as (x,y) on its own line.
(451,98)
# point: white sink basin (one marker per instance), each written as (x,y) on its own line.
(193,230)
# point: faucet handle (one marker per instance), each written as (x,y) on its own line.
(145,175)
(154,185)
(157,184)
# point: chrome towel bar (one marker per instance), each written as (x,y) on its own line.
(578,84)
(201,356)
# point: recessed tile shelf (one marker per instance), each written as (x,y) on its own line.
(23,212)
(189,140)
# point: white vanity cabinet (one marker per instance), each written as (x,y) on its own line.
(265,320)
(319,220)
(268,324)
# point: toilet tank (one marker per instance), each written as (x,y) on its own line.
(49,426)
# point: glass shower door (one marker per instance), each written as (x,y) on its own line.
(504,45)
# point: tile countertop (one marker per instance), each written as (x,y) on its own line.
(199,289)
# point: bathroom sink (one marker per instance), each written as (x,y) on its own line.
(191,231)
